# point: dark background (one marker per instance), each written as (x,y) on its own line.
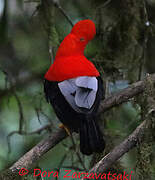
(123,50)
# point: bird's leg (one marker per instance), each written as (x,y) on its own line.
(65,128)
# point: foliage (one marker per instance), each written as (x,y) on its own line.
(123,51)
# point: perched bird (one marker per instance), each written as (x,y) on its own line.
(74,87)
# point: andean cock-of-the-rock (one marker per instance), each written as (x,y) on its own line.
(74,87)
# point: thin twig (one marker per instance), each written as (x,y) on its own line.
(146,33)
(106,3)
(65,14)
(24,133)
(21,115)
(57,4)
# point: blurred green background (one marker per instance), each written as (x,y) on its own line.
(24,59)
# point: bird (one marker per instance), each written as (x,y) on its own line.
(74,88)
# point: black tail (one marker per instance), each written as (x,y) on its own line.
(91,139)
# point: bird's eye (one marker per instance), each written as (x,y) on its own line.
(82,39)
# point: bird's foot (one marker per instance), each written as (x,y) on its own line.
(62,126)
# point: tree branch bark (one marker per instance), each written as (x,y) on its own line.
(124,95)
(39,150)
(120,150)
(45,145)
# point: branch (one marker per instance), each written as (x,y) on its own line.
(39,150)
(123,96)
(129,143)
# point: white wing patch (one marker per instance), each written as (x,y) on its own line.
(87,82)
(79,92)
(85,98)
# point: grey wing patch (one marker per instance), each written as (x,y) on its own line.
(87,82)
(68,89)
(85,98)
(80,92)
(86,93)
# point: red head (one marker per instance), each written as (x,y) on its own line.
(75,43)
(84,29)
(70,61)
